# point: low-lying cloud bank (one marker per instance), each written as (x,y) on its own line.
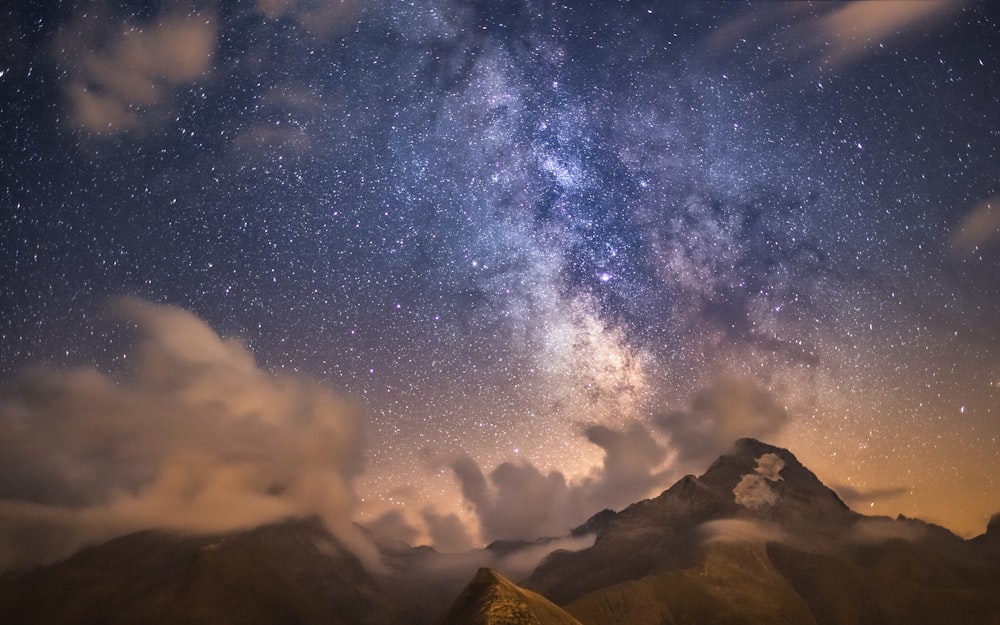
(197,438)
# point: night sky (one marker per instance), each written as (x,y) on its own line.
(483,268)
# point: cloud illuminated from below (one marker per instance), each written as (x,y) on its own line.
(198,438)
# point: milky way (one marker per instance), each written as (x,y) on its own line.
(595,242)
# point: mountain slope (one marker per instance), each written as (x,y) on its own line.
(729,583)
(665,533)
(759,539)
(292,572)
(491,599)
(839,592)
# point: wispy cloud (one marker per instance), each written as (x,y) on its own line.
(728,409)
(122,76)
(832,35)
(854,29)
(856,497)
(320,18)
(979,226)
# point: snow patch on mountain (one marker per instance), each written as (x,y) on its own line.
(754,491)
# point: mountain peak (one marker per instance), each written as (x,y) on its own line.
(488,576)
(492,599)
(993,527)
(770,481)
(595,524)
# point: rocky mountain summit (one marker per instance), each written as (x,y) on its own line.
(492,599)
(759,539)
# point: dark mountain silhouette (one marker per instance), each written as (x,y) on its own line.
(990,540)
(291,572)
(756,539)
(294,572)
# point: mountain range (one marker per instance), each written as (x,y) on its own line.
(756,539)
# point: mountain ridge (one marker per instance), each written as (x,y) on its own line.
(757,538)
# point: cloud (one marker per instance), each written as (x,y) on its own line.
(121,77)
(521,563)
(320,18)
(741,530)
(881,529)
(978,227)
(392,526)
(836,34)
(855,28)
(447,532)
(729,409)
(519,502)
(196,438)
(634,464)
(854,497)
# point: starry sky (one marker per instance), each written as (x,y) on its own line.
(534,258)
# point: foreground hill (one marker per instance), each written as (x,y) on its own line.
(492,599)
(288,573)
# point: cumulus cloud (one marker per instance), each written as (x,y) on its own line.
(196,438)
(122,76)
(517,501)
(754,493)
(978,227)
(447,532)
(729,409)
(635,463)
(279,126)
(392,526)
